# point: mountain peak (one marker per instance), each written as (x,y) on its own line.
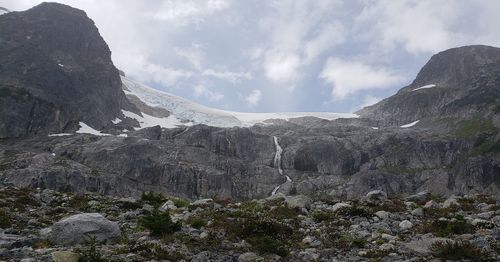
(454,66)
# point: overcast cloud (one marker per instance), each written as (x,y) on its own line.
(289,55)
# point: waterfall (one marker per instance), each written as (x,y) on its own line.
(277,164)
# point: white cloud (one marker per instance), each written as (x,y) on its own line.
(212,96)
(423,26)
(370,100)
(254,97)
(351,77)
(233,77)
(294,39)
(280,67)
(188,11)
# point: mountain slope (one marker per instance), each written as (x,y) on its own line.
(456,83)
(56,71)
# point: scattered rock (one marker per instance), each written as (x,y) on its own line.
(298,201)
(431,204)
(338,206)
(419,212)
(420,197)
(451,202)
(249,257)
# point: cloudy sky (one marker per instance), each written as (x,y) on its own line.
(287,55)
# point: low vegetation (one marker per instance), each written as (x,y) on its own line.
(159,223)
(457,250)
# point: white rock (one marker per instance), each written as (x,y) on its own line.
(450,202)
(382,214)
(405,225)
(339,206)
(375,197)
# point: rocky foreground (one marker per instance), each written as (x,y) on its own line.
(45,225)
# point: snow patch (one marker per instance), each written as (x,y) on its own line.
(410,124)
(150,121)
(374,128)
(61,134)
(116,121)
(122,135)
(85,129)
(187,110)
(425,87)
(61,65)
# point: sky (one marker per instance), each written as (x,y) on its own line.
(287,55)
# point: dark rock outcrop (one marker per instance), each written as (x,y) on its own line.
(55,70)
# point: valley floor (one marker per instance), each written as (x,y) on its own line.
(281,228)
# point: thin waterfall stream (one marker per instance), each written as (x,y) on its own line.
(277,164)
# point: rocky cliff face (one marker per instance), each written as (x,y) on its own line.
(55,70)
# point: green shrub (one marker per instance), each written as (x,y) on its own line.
(80,202)
(90,252)
(355,211)
(4,219)
(152,198)
(268,244)
(445,228)
(159,223)
(196,222)
(320,216)
(456,250)
(180,202)
(471,127)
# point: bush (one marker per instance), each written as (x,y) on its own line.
(456,250)
(159,223)
(4,219)
(179,202)
(152,198)
(445,228)
(320,216)
(197,222)
(90,253)
(267,244)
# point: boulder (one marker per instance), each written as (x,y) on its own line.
(451,202)
(80,228)
(298,201)
(339,206)
(405,225)
(419,197)
(249,257)
(65,256)
(375,197)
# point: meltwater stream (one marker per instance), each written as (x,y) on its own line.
(277,164)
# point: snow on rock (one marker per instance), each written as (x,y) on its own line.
(116,121)
(374,128)
(85,129)
(61,134)
(61,65)
(410,124)
(425,87)
(186,110)
(150,121)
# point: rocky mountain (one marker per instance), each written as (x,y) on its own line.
(457,83)
(79,127)
(56,71)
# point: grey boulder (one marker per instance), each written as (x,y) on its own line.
(375,197)
(80,228)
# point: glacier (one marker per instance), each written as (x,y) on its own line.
(187,111)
